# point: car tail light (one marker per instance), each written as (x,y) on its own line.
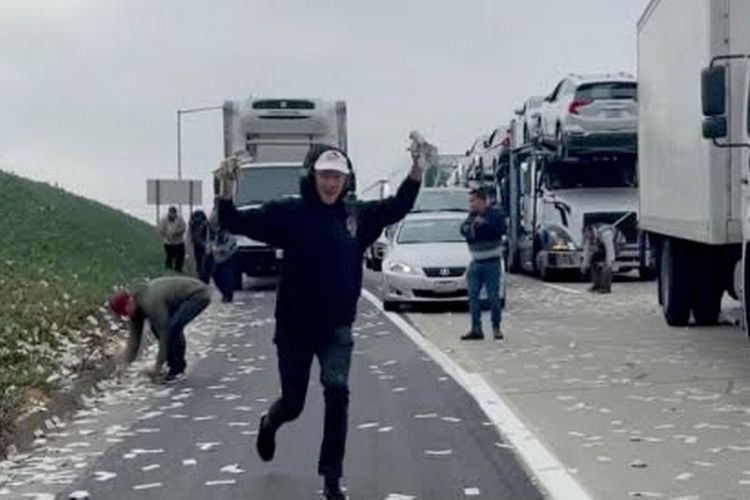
(506,141)
(578,103)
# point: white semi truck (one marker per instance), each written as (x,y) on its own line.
(694,151)
(272,138)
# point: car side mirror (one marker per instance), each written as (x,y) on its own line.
(715,127)
(714,91)
(389,232)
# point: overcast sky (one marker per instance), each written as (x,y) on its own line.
(89,88)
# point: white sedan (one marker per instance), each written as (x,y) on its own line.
(426,261)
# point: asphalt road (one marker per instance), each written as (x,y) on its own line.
(414,433)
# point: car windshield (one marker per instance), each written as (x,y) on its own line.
(431,231)
(257,185)
(607,91)
(441,200)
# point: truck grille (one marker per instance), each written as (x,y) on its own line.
(627,227)
(444,272)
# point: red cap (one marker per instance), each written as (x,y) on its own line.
(119,303)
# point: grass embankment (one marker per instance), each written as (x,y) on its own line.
(60,256)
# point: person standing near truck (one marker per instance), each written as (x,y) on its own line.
(219,262)
(172,230)
(599,254)
(198,226)
(484,229)
(324,236)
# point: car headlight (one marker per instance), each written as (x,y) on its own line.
(402,268)
(558,240)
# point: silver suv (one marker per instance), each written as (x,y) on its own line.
(592,114)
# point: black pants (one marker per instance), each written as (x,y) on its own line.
(199,253)
(186,312)
(222,273)
(601,277)
(175,256)
(295,362)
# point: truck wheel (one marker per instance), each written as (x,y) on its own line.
(675,282)
(708,289)
(377,265)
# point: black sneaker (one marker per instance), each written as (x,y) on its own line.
(266,441)
(499,334)
(173,378)
(473,336)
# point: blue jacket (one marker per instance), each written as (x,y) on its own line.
(484,233)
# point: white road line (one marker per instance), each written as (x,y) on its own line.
(563,288)
(554,478)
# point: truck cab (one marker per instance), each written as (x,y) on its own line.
(258,183)
(559,198)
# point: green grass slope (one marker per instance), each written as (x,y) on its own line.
(60,257)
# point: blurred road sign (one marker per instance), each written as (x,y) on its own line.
(175,192)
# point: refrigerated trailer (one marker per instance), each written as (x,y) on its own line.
(694,150)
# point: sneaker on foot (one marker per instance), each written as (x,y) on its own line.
(473,336)
(173,378)
(266,441)
(498,334)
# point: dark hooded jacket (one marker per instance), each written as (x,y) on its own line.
(321,272)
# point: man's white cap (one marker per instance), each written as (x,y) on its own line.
(332,160)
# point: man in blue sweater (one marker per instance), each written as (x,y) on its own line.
(484,230)
(324,237)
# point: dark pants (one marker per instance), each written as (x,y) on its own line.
(199,253)
(601,277)
(175,256)
(295,361)
(186,312)
(222,273)
(487,274)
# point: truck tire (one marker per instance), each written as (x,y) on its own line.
(709,287)
(675,282)
(377,265)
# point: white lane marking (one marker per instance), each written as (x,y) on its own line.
(565,289)
(553,477)
(148,486)
(222,482)
(438,453)
(471,492)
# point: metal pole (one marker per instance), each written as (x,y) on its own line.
(179,145)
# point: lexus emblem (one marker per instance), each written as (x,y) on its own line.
(445,272)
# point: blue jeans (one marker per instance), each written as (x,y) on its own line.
(488,274)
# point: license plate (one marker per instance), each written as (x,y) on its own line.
(445,286)
(613,114)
